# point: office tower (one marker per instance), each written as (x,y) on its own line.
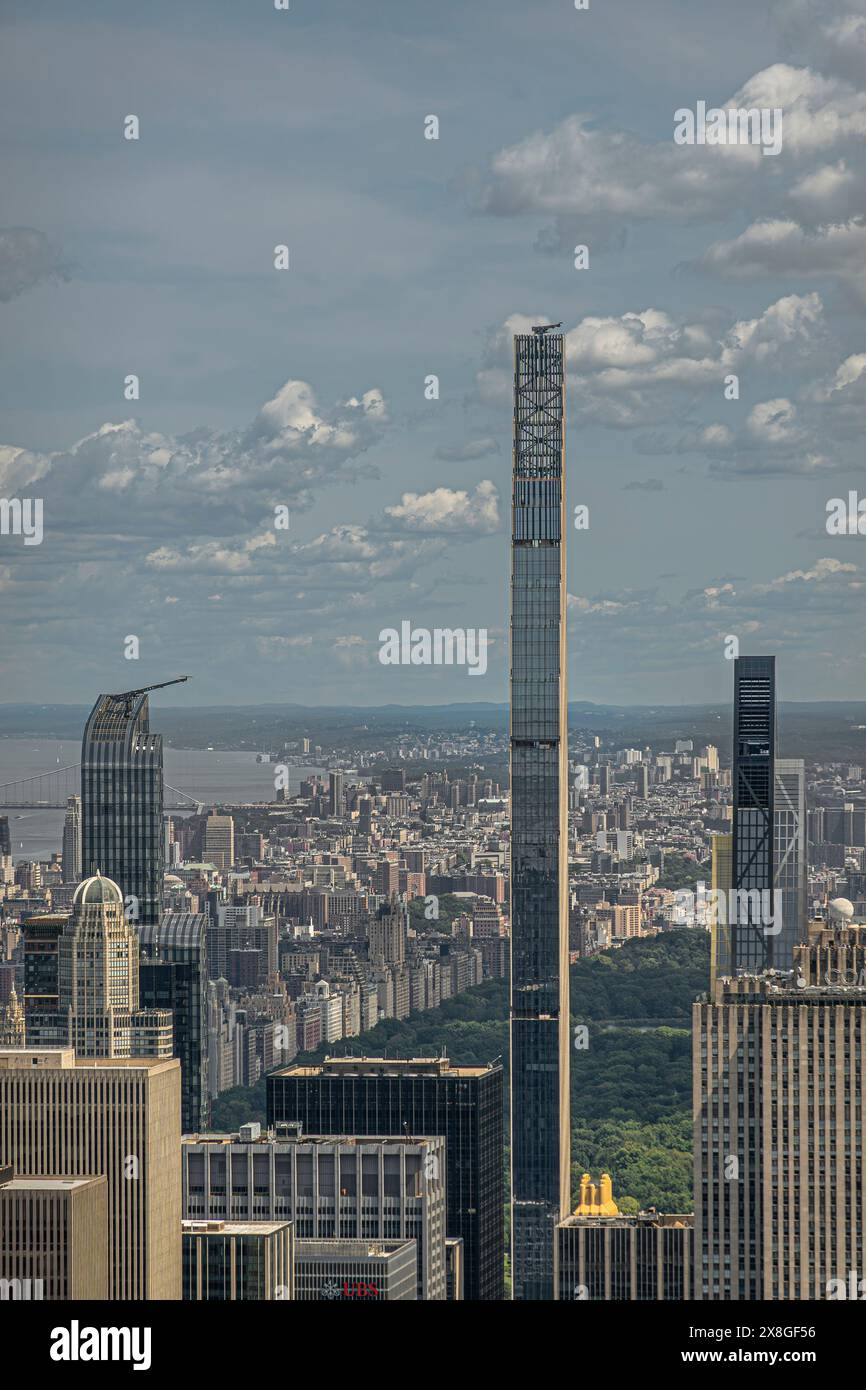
(43,1023)
(121,802)
(711,754)
(355,1270)
(218,843)
(230,1261)
(365,815)
(604,779)
(789,857)
(241,928)
(371,1095)
(386,933)
(53,1238)
(753,863)
(71,1117)
(642,781)
(603,1255)
(330,1188)
(540,1128)
(720,884)
(71,858)
(173,975)
(780,1206)
(335,794)
(454,1281)
(98,980)
(5,837)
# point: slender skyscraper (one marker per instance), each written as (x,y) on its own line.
(791,873)
(540,1130)
(72,840)
(121,801)
(753,777)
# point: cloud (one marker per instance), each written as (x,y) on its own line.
(27,259)
(626,370)
(124,479)
(468,451)
(448,510)
(777,246)
(586,176)
(824,569)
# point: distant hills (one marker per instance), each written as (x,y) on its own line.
(824,730)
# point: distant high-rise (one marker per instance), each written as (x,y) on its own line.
(791,868)
(218,843)
(386,934)
(753,778)
(121,802)
(418,1096)
(71,858)
(77,1118)
(44,1025)
(98,980)
(720,935)
(540,1128)
(335,794)
(173,975)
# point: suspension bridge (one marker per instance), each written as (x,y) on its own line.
(49,791)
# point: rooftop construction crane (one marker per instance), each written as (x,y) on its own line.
(129,695)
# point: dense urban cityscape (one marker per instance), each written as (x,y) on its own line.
(432,733)
(178,957)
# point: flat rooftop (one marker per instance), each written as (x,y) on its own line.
(323,1140)
(234,1228)
(31,1059)
(356,1066)
(24,1184)
(350,1249)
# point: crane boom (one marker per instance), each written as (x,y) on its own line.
(129,695)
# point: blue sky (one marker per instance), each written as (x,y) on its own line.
(410,257)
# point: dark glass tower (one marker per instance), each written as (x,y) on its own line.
(422,1097)
(173,975)
(540,1128)
(121,802)
(753,777)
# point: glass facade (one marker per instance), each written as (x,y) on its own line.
(237,1263)
(173,975)
(465,1105)
(540,1140)
(121,802)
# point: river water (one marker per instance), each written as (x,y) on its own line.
(209,776)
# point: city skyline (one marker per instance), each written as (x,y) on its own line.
(445,391)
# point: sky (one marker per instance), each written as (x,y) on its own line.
(304,395)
